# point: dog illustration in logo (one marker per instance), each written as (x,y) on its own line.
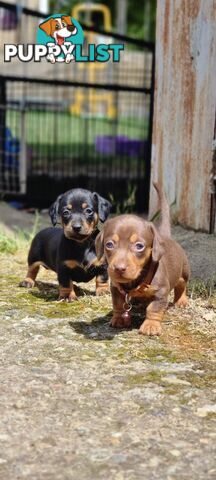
(59,28)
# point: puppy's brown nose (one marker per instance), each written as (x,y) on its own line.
(120,268)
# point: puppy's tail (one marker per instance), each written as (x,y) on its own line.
(165,225)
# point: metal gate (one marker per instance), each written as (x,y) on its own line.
(59,130)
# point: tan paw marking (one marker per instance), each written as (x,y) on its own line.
(102,290)
(151,328)
(182,302)
(27,283)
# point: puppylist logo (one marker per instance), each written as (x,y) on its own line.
(60,34)
(60,39)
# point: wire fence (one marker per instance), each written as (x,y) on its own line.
(67,125)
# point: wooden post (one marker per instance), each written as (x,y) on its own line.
(184,110)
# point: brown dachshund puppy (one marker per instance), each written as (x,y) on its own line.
(143,262)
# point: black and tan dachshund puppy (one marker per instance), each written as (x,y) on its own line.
(70,251)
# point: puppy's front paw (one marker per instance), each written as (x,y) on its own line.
(72,297)
(102,290)
(69,58)
(28,283)
(182,302)
(120,321)
(50,58)
(67,294)
(68,299)
(151,328)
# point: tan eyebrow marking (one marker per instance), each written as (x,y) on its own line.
(96,218)
(69,206)
(84,205)
(115,237)
(133,237)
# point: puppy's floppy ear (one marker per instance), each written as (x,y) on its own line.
(46,27)
(158,244)
(67,19)
(54,210)
(99,245)
(103,205)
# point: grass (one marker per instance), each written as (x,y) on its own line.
(186,333)
(51,136)
(8,244)
(18,242)
(12,242)
(199,288)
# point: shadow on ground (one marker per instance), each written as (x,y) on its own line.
(100,329)
(50,291)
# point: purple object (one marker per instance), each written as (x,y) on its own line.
(8,20)
(119,145)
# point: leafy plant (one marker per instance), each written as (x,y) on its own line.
(128,204)
(8,244)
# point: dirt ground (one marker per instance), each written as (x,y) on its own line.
(80,400)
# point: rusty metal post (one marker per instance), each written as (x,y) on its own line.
(184,109)
(23,150)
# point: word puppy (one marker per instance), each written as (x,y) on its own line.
(143,263)
(70,251)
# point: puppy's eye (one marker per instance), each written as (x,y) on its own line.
(64,24)
(66,214)
(109,245)
(57,26)
(139,246)
(89,211)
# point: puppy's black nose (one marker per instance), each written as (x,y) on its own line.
(120,268)
(77,227)
(71,28)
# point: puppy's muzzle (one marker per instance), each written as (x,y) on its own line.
(122,270)
(77,227)
(119,268)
